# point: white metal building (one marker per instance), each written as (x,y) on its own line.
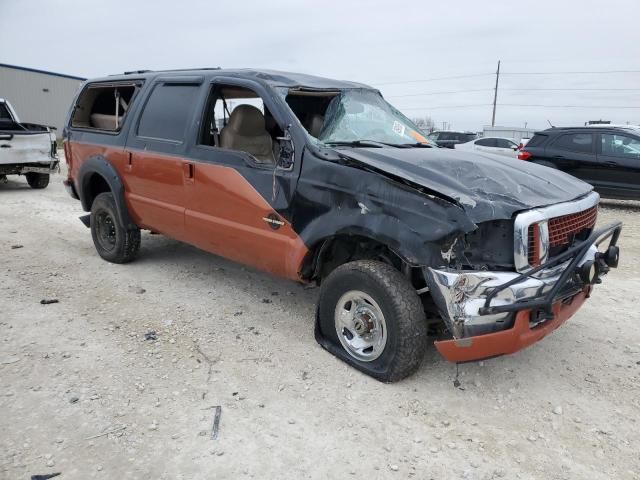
(514,133)
(38,96)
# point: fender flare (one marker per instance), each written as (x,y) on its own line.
(98,165)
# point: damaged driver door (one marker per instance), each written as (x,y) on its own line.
(241,179)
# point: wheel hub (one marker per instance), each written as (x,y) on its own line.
(360,325)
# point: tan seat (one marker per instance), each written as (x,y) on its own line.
(315,125)
(246,132)
(105,122)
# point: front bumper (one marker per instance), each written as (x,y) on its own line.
(495,313)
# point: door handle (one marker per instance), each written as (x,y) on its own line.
(559,157)
(188,170)
(611,164)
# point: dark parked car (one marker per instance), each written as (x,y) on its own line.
(606,157)
(449,139)
(320,180)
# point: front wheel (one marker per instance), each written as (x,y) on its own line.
(37,180)
(112,240)
(370,316)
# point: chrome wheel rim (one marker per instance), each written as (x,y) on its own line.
(360,326)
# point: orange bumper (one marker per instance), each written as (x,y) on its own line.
(510,341)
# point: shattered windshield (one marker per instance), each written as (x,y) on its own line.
(352,116)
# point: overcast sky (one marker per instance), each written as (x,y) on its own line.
(369,41)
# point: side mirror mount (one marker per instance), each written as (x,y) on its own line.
(286,153)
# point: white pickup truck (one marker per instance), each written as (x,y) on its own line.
(26,148)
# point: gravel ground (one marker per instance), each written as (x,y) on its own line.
(83,392)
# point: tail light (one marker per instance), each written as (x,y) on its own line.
(524,155)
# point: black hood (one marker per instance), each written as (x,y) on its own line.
(487,186)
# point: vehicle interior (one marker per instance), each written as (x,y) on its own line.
(310,107)
(237,119)
(103,107)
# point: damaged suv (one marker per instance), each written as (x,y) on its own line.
(323,181)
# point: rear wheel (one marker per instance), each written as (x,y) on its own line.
(37,180)
(112,240)
(374,319)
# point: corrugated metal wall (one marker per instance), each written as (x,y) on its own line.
(38,97)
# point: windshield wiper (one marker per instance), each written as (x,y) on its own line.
(411,145)
(357,143)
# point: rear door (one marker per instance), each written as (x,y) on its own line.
(156,170)
(575,153)
(506,147)
(619,157)
(485,145)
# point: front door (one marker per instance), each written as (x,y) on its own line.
(238,201)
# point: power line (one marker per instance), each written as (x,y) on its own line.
(573,89)
(440,93)
(446,106)
(567,106)
(601,72)
(434,79)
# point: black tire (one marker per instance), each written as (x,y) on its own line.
(37,180)
(112,240)
(406,326)
(544,163)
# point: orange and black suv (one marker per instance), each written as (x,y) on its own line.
(319,180)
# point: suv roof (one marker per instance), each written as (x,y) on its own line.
(629,129)
(274,78)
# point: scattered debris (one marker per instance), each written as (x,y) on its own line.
(107,432)
(9,360)
(216,422)
(151,335)
(74,400)
(456,381)
(15,247)
(558,410)
(46,476)
(394,468)
(138,290)
(237,314)
(266,300)
(47,301)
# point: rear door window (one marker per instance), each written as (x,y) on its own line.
(486,142)
(575,142)
(168,112)
(504,143)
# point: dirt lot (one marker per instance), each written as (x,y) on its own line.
(83,392)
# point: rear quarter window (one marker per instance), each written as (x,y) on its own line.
(537,140)
(104,106)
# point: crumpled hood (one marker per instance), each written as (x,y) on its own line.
(488,187)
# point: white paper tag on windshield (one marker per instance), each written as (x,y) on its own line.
(398,128)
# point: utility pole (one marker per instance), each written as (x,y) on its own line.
(495,97)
